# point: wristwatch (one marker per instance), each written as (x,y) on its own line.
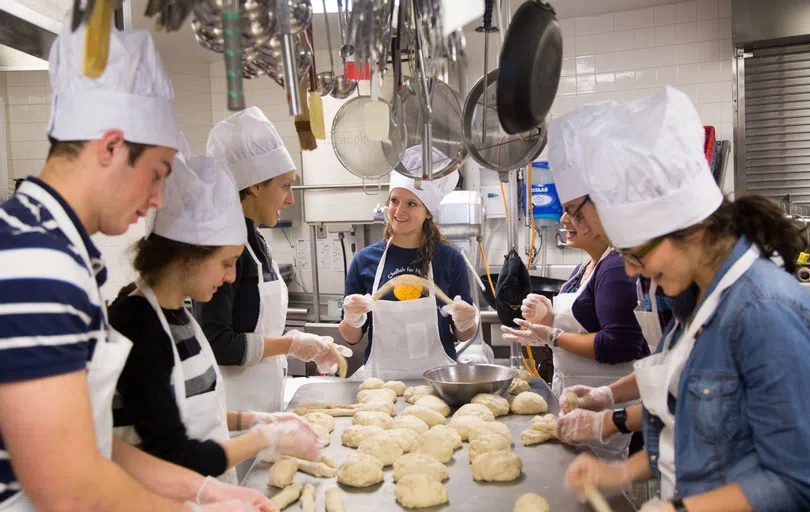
(678,504)
(620,420)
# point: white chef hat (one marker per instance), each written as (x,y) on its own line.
(133,94)
(432,192)
(249,143)
(201,204)
(646,170)
(565,150)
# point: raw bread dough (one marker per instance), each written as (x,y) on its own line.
(376,395)
(524,375)
(411,423)
(323,434)
(317,469)
(287,496)
(435,403)
(437,444)
(360,470)
(308,498)
(386,407)
(354,435)
(519,386)
(451,434)
(529,403)
(319,418)
(419,491)
(334,501)
(369,418)
(547,424)
(491,427)
(478,410)
(415,393)
(421,463)
(495,403)
(531,502)
(382,447)
(464,425)
(429,416)
(498,466)
(488,443)
(397,385)
(372,383)
(282,473)
(404,437)
(531,437)
(572,399)
(329,461)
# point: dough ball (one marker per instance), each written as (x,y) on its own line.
(420,491)
(376,395)
(464,425)
(429,416)
(435,403)
(281,474)
(360,470)
(319,418)
(373,418)
(478,410)
(531,437)
(382,447)
(519,386)
(404,437)
(500,466)
(356,434)
(529,403)
(412,423)
(415,393)
(372,383)
(488,443)
(436,444)
(531,502)
(524,375)
(450,433)
(572,399)
(498,405)
(491,427)
(421,463)
(323,433)
(547,424)
(334,501)
(386,407)
(397,385)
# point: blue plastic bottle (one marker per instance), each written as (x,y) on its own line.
(546,205)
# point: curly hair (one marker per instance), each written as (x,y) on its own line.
(431,236)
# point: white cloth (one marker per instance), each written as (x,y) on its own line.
(430,193)
(658,375)
(109,355)
(201,204)
(406,336)
(134,94)
(649,321)
(251,147)
(646,170)
(565,151)
(260,387)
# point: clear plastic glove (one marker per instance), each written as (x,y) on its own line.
(535,334)
(582,425)
(213,491)
(537,309)
(290,437)
(356,309)
(463,314)
(253,418)
(656,505)
(593,399)
(311,347)
(587,469)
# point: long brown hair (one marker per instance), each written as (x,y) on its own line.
(431,236)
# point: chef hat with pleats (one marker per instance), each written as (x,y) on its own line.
(432,192)
(565,150)
(133,94)
(200,204)
(251,146)
(646,170)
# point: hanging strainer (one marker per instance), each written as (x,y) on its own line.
(493,148)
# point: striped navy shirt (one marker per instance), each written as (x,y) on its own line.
(49,325)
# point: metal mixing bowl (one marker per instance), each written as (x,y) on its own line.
(457,384)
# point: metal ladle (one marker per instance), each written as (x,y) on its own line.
(344,87)
(325,80)
(346,50)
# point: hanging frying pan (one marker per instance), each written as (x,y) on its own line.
(530,66)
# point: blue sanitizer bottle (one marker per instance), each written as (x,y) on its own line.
(546,205)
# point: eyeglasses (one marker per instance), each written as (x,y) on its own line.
(634,258)
(577,215)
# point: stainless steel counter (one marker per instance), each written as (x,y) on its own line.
(543,465)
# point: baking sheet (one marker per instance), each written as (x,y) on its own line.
(544,465)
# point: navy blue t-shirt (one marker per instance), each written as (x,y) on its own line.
(449,274)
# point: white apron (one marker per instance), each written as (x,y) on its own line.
(571,369)
(109,356)
(406,336)
(261,387)
(649,321)
(204,416)
(659,374)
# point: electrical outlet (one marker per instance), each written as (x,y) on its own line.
(321,231)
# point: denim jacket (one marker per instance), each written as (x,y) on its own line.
(743,408)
